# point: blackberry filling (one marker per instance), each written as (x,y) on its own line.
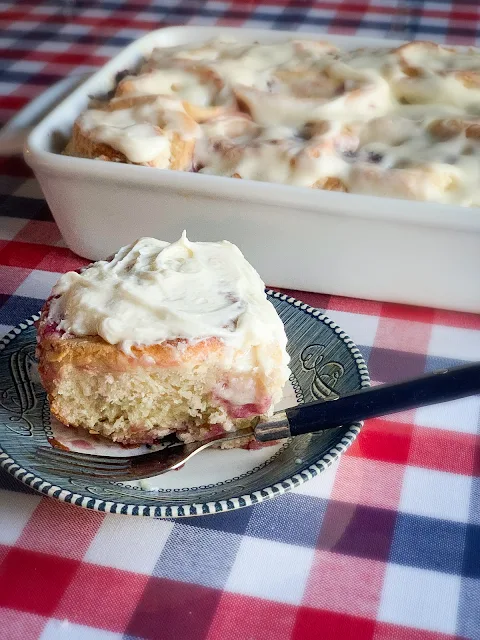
(374,156)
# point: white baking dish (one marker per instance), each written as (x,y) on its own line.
(345,244)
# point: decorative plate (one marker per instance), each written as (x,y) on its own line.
(324,362)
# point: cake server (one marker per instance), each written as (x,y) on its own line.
(313,417)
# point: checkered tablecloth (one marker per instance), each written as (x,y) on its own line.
(385,545)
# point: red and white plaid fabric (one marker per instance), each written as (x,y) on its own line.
(383,546)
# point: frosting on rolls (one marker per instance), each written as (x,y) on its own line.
(305,113)
(142,130)
(152,291)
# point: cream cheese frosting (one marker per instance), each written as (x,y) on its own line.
(152,291)
(306,113)
(141,132)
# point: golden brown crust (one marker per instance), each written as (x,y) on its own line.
(128,87)
(309,83)
(469,79)
(83,144)
(202,114)
(473,131)
(232,125)
(330,184)
(317,128)
(128,102)
(181,153)
(415,183)
(316,46)
(445,129)
(407,52)
(94,352)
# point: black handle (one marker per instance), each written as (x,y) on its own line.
(440,386)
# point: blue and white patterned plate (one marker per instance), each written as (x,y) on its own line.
(324,363)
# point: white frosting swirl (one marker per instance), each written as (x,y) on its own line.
(153,291)
(142,132)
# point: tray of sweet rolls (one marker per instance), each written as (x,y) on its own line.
(368,148)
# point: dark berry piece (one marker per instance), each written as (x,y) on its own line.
(350,154)
(374,156)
